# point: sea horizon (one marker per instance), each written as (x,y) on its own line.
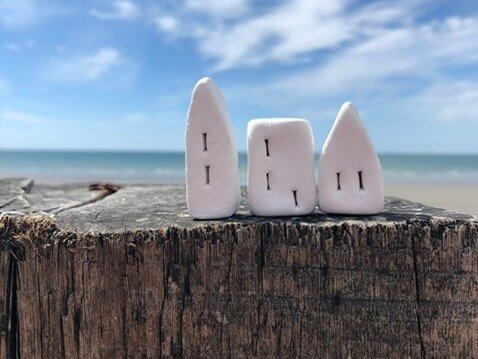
(160,166)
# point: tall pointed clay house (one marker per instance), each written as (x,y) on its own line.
(212,178)
(350,174)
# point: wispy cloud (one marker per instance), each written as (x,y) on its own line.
(219,8)
(376,54)
(419,52)
(167,24)
(86,68)
(290,31)
(197,18)
(120,10)
(18,116)
(448,101)
(22,13)
(20,46)
(17,12)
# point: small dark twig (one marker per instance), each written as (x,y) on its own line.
(106,189)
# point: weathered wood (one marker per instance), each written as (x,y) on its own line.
(131,275)
(4,305)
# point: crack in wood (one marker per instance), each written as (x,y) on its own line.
(163,302)
(418,301)
(9,202)
(229,298)
(12,335)
(260,260)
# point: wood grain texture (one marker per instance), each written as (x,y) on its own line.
(403,284)
(11,252)
(4,305)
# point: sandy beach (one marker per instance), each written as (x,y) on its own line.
(461,198)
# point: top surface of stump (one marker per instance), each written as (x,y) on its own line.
(107,208)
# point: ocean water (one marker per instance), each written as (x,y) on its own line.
(168,167)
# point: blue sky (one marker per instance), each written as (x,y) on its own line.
(118,74)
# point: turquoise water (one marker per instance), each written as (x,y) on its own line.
(154,167)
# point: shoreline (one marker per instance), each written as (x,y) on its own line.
(457,197)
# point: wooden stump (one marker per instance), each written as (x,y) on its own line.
(126,273)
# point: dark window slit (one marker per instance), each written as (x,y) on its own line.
(267,148)
(295,197)
(207,174)
(268,183)
(338,181)
(360,179)
(204,142)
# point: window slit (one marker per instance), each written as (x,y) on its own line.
(207,174)
(360,179)
(338,181)
(267,148)
(294,192)
(268,183)
(204,142)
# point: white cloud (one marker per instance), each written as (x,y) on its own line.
(274,35)
(17,12)
(408,52)
(86,68)
(293,30)
(448,101)
(167,24)
(121,10)
(219,8)
(23,13)
(20,46)
(17,116)
(384,53)
(411,72)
